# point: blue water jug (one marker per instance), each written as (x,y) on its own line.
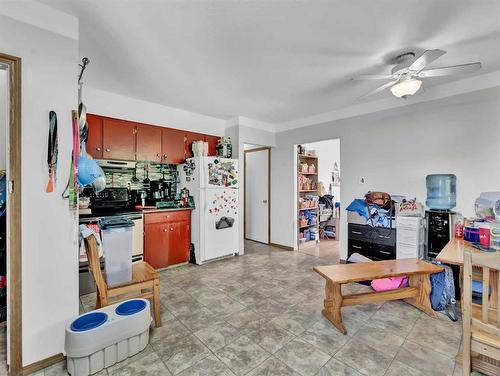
(441,191)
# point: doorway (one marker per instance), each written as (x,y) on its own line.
(10,220)
(318,198)
(257,193)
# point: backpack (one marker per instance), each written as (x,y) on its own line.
(443,291)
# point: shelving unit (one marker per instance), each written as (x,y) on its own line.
(310,189)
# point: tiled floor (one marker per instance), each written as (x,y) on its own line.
(326,249)
(259,314)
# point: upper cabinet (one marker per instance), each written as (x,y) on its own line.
(212,145)
(126,140)
(172,145)
(94,142)
(149,143)
(190,138)
(118,139)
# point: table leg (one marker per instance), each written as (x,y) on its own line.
(333,304)
(493,301)
(422,301)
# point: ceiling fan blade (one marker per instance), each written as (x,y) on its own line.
(379,89)
(425,59)
(448,71)
(373,77)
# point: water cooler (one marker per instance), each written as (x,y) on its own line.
(440,219)
(440,226)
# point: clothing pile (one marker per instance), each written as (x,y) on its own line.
(375,215)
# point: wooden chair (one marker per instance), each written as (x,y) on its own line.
(481,329)
(145,282)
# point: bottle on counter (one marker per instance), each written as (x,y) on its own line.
(459,226)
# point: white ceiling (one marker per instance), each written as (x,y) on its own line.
(274,61)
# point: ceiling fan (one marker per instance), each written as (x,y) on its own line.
(407,74)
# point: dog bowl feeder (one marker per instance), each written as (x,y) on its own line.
(103,337)
(130,307)
(89,321)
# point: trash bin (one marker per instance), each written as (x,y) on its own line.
(117,249)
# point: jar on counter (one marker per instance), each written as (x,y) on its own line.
(495,235)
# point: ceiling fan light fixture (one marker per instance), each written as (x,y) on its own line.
(406,88)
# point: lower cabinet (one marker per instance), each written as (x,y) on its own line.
(167,238)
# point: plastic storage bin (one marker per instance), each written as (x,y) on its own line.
(441,191)
(495,235)
(117,249)
(103,337)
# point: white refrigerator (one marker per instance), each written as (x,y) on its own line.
(213,184)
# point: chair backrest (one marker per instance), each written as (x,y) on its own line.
(92,251)
(490,265)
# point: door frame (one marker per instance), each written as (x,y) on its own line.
(14,215)
(268,190)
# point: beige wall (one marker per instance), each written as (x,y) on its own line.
(395,149)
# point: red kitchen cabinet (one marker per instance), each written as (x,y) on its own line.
(212,145)
(156,245)
(118,139)
(167,238)
(190,138)
(178,242)
(149,140)
(94,141)
(172,145)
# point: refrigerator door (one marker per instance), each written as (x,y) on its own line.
(219,172)
(220,223)
(190,174)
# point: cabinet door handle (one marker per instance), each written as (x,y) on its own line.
(98,149)
(171,229)
(107,149)
(164,230)
(385,252)
(357,246)
(384,237)
(357,232)
(164,156)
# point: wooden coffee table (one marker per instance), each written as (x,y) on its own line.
(417,294)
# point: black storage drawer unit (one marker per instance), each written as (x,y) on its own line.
(374,243)
(379,235)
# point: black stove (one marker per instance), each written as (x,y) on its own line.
(110,202)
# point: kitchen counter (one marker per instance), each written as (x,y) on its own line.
(145,211)
(96,216)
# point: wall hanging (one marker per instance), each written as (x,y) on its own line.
(52,151)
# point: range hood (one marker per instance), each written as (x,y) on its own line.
(121,165)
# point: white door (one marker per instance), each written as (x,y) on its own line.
(257,195)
